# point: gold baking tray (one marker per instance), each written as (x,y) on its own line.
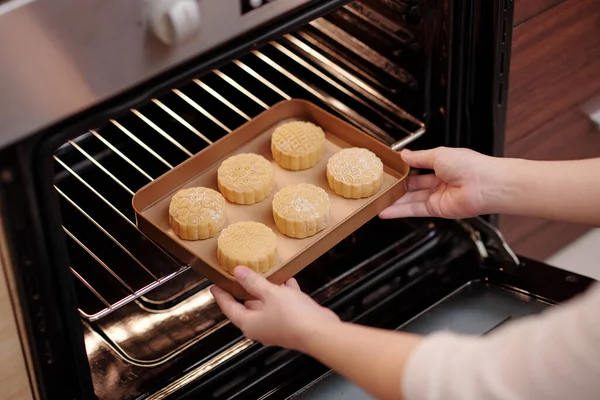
(151,203)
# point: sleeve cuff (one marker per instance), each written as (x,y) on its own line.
(424,373)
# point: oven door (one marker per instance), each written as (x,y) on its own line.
(450,284)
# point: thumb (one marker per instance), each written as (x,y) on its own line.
(254,284)
(419,159)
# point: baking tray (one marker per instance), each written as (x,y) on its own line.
(151,203)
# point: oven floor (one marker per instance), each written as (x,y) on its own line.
(476,308)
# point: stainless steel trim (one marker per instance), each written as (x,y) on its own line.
(13,5)
(79,73)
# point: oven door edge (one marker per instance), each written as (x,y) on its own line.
(52,328)
(286,374)
(16,366)
(478,74)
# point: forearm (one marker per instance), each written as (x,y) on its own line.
(373,359)
(553,356)
(558,190)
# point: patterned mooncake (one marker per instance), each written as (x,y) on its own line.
(197,213)
(297,145)
(355,173)
(301,210)
(246,178)
(248,243)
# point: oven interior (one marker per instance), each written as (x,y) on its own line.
(147,317)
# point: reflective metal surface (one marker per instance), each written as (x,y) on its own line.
(91,51)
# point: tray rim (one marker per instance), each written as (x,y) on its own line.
(139,209)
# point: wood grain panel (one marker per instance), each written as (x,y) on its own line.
(526,9)
(571,136)
(14,379)
(555,64)
(547,239)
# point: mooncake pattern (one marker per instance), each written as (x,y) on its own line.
(301,210)
(247,243)
(297,145)
(355,173)
(197,213)
(246,178)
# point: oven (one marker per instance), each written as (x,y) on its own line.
(102,97)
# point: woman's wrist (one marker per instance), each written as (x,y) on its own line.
(502,185)
(312,335)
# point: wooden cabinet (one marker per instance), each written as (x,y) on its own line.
(555,69)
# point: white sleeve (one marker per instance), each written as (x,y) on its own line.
(554,355)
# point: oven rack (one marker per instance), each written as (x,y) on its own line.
(108,285)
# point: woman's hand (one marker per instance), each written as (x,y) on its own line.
(459,187)
(284,316)
(280,315)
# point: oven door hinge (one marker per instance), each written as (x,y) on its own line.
(490,243)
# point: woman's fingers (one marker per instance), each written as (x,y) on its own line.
(412,204)
(413,197)
(403,205)
(230,307)
(254,284)
(253,305)
(407,210)
(419,159)
(292,283)
(420,182)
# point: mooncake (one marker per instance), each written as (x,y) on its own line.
(246,178)
(197,213)
(355,173)
(247,243)
(297,145)
(301,210)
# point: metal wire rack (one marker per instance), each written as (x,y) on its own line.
(112,262)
